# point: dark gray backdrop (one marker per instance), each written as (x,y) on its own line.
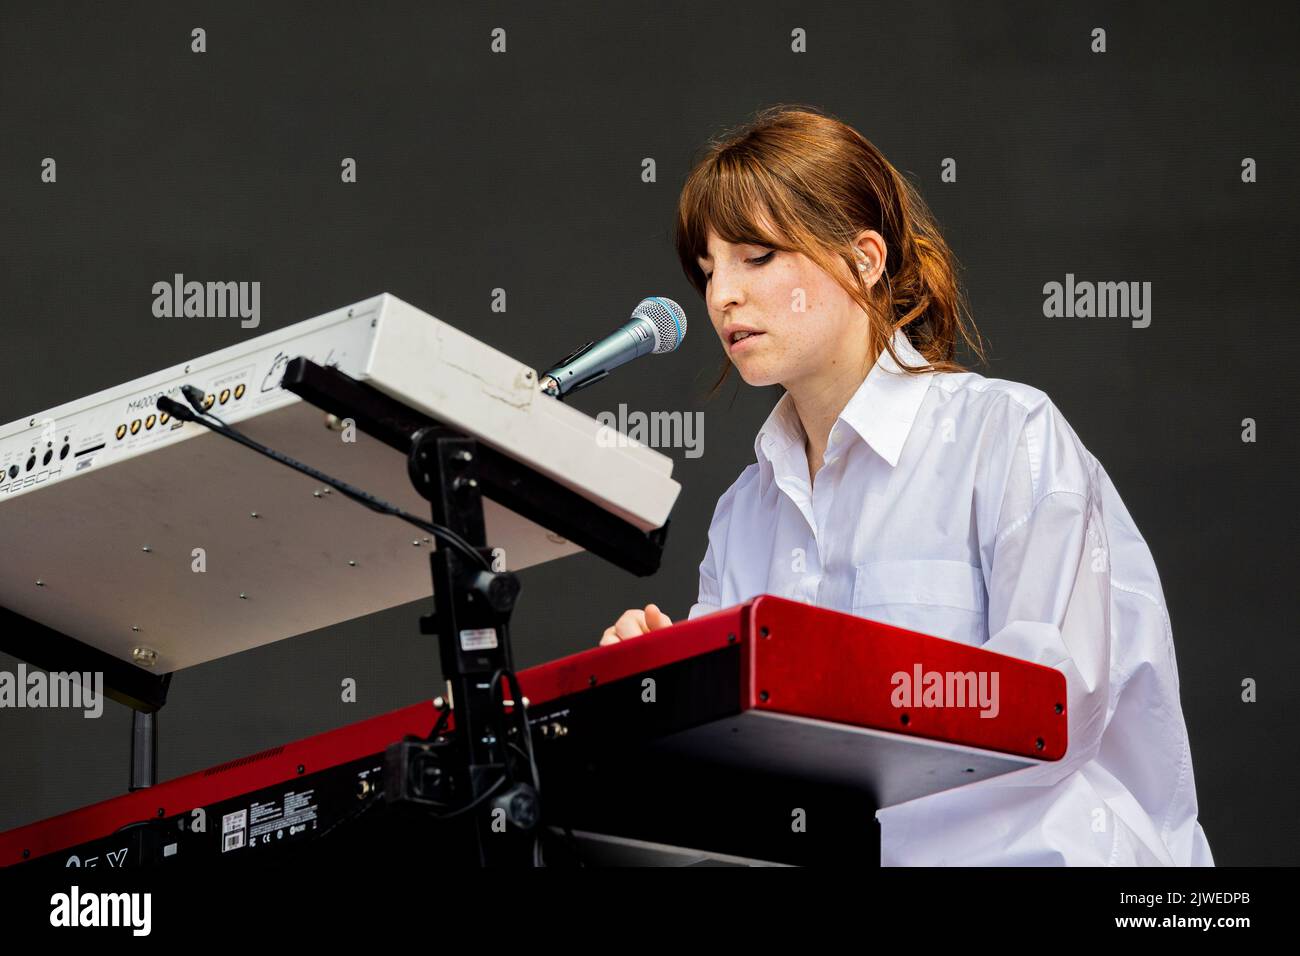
(522,170)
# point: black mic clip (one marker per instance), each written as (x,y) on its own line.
(573,355)
(553,389)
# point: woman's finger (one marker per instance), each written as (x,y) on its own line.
(631,624)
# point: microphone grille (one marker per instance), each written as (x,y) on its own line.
(669,320)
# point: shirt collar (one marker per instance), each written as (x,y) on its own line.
(881,411)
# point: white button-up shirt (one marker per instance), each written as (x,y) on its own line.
(966,508)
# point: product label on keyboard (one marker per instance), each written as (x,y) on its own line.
(267,822)
(273,820)
(234,830)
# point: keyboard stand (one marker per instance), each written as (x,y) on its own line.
(472,606)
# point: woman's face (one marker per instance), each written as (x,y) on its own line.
(807,322)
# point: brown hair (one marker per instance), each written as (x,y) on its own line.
(820,182)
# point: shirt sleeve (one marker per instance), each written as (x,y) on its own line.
(710,591)
(1048,580)
(1049,594)
(708,600)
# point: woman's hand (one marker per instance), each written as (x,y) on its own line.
(634,623)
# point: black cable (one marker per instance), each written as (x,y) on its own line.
(200,416)
(477,801)
(521,715)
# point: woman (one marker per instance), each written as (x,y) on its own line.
(893,484)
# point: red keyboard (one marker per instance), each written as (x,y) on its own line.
(771,686)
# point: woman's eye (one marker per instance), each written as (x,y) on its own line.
(761,260)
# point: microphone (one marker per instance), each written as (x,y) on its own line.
(657,325)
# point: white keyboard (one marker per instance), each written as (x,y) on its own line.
(158,541)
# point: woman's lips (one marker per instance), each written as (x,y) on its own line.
(738,346)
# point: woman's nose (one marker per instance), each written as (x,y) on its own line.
(723,291)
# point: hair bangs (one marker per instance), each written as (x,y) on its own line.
(732,199)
